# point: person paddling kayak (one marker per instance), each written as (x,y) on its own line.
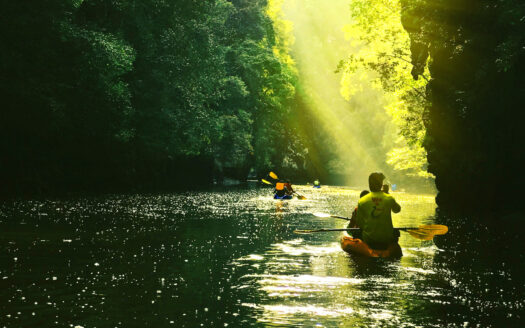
(373,214)
(283,189)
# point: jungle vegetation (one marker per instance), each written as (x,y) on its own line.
(158,94)
(150,94)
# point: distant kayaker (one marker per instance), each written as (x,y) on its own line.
(374,214)
(317,184)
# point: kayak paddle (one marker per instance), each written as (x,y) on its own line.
(423,232)
(274,176)
(301,197)
(324,215)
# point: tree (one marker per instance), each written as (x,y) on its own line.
(384,49)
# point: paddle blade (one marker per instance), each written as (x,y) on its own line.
(435,229)
(428,231)
(273,175)
(301,197)
(266,181)
(421,235)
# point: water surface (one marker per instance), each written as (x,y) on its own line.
(229,258)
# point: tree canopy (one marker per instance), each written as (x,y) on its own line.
(140,93)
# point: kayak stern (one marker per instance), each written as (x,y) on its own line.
(357,246)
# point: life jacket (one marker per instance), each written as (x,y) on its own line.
(279,186)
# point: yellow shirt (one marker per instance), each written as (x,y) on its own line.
(374,217)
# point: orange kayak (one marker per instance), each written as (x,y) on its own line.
(359,247)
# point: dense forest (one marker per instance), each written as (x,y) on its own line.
(158,94)
(154,95)
(140,94)
(475,53)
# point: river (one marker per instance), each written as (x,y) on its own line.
(230,258)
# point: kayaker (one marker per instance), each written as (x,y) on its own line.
(374,214)
(353,219)
(317,183)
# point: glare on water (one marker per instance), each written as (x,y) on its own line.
(225,257)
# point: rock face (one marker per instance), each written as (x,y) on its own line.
(475,130)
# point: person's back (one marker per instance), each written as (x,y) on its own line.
(374,214)
(280,189)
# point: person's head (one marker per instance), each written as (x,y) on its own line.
(363,193)
(375,181)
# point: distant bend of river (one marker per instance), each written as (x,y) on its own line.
(229,258)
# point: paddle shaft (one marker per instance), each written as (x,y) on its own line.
(354,229)
(298,195)
(428,228)
(340,217)
(423,230)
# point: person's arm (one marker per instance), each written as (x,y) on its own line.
(359,221)
(396,208)
(353,220)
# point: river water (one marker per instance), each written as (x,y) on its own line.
(229,258)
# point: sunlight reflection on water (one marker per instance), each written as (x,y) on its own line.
(310,281)
(228,257)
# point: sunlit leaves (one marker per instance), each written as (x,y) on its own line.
(384,56)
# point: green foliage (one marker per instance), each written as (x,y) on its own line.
(384,49)
(119,92)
